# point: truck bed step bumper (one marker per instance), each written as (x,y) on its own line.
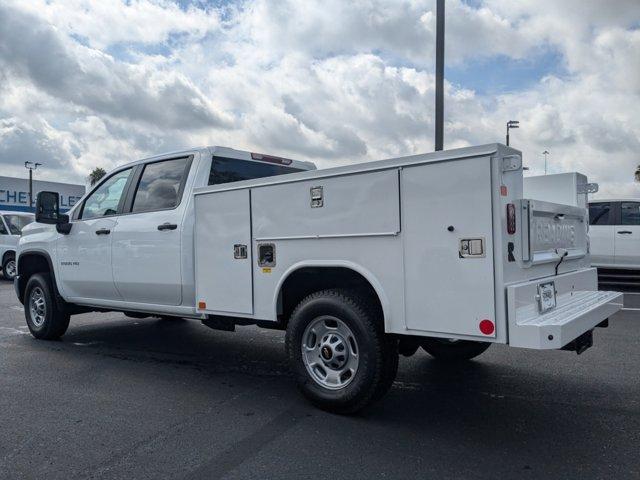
(579,308)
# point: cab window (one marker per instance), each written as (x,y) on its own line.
(105,200)
(630,213)
(600,214)
(225,170)
(3,229)
(160,185)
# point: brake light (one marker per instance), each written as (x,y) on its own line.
(511,218)
(271,159)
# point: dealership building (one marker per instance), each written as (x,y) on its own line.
(14,193)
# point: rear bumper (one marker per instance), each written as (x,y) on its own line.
(579,308)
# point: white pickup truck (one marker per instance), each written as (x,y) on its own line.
(11,225)
(357,263)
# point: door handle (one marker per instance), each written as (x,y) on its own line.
(167,226)
(103,231)
(626,232)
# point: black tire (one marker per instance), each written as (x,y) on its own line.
(9,267)
(54,322)
(377,353)
(453,351)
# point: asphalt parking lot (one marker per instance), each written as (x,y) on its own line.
(123,398)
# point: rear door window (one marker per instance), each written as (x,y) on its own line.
(160,186)
(600,214)
(225,170)
(630,213)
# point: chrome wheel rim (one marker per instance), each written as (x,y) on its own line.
(330,352)
(37,307)
(10,269)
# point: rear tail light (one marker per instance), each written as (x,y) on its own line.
(511,218)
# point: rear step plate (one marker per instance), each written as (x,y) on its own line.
(579,308)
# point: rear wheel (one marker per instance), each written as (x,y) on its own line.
(337,349)
(9,268)
(44,319)
(453,350)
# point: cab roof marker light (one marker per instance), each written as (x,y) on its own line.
(271,159)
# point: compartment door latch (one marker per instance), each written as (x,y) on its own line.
(472,248)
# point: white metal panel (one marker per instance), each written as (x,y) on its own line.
(146,261)
(557,188)
(365,204)
(602,241)
(444,292)
(85,260)
(223,220)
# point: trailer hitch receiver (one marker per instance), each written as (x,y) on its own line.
(581,343)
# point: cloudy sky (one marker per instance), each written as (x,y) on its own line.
(99,83)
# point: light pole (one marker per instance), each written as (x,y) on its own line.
(511,124)
(545,153)
(31,167)
(439,127)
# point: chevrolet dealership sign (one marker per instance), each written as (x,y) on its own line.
(14,193)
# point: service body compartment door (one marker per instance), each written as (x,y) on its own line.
(445,207)
(223,252)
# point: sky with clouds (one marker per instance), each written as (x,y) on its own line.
(99,83)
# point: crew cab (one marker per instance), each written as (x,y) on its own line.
(11,225)
(357,263)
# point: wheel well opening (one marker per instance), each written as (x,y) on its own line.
(28,265)
(8,254)
(307,280)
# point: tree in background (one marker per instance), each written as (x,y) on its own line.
(96,174)
(636,175)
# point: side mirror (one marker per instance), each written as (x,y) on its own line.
(48,208)
(48,211)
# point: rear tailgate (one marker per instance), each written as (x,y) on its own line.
(550,229)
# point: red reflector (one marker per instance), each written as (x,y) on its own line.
(511,218)
(271,159)
(487,327)
(503,190)
(202,305)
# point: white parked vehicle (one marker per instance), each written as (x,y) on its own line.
(615,233)
(11,224)
(615,242)
(356,263)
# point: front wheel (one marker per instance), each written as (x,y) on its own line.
(44,319)
(449,349)
(9,268)
(338,351)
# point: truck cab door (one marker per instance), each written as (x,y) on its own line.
(84,255)
(601,233)
(147,242)
(627,236)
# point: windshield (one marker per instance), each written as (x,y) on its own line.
(17,222)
